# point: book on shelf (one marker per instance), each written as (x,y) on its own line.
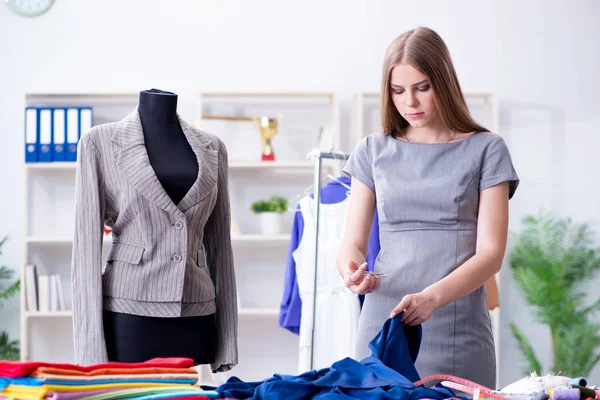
(43,292)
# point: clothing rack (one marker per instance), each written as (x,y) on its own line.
(319,156)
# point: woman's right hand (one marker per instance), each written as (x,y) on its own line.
(356,280)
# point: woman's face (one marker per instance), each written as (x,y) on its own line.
(413,96)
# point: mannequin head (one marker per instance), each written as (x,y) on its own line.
(158,105)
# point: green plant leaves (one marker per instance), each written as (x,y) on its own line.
(275,203)
(532,361)
(550,261)
(9,350)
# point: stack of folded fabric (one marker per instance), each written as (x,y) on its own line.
(159,378)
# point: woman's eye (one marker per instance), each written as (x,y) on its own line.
(423,88)
(398,91)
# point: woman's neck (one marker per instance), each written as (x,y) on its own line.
(429,134)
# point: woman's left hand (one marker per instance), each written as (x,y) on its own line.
(417,308)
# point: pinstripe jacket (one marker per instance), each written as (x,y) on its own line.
(165,260)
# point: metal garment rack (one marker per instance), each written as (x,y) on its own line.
(319,156)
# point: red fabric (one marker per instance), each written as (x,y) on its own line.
(17,369)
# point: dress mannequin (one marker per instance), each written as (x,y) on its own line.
(135,338)
(169,152)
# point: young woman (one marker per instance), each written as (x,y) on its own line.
(441,184)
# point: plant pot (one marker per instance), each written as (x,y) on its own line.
(270,223)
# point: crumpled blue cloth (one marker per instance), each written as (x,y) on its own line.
(388,373)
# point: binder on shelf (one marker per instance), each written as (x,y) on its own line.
(61,295)
(72,134)
(53,294)
(85,120)
(59,133)
(31,287)
(45,135)
(44,292)
(31,134)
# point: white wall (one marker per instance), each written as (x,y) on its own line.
(540,57)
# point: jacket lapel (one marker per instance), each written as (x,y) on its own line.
(208,165)
(132,160)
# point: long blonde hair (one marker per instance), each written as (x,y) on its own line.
(425,50)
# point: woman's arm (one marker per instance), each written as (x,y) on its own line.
(492,231)
(353,249)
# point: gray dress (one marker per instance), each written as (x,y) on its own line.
(427,200)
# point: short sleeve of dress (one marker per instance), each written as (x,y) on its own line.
(498,167)
(359,164)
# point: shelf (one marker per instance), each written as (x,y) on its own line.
(266,312)
(268,94)
(248,238)
(271,164)
(48,314)
(236,165)
(46,240)
(89,95)
(261,238)
(50,166)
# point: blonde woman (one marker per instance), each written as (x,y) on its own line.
(441,184)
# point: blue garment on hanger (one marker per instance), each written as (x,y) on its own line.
(388,373)
(291,304)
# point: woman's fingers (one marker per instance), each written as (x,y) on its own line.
(357,277)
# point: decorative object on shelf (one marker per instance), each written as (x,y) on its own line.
(29,8)
(270,212)
(9,350)
(266,126)
(551,260)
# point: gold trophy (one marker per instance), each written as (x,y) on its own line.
(266,126)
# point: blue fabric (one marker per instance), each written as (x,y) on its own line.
(387,374)
(290,311)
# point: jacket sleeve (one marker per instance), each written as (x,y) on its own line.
(217,242)
(86,267)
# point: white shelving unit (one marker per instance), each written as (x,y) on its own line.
(484,109)
(264,347)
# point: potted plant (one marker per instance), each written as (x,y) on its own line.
(9,350)
(270,212)
(550,261)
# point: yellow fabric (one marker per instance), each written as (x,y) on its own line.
(39,392)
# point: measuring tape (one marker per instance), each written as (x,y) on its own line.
(464,385)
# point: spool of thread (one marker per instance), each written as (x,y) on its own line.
(579,381)
(542,396)
(585,392)
(566,394)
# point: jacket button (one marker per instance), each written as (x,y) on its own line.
(177,258)
(178,225)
